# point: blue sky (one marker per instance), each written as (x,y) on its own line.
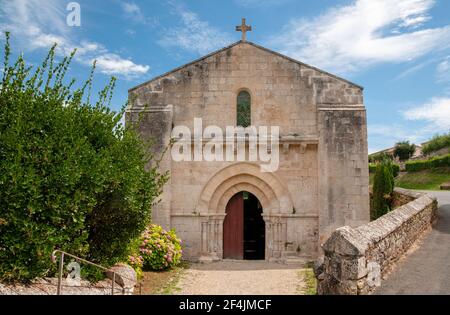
(398,50)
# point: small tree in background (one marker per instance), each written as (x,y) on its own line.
(404,150)
(71,177)
(383,188)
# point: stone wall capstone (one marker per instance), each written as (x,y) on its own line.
(356,259)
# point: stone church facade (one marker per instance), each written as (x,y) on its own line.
(322,180)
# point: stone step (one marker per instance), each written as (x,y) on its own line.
(297,261)
(290,253)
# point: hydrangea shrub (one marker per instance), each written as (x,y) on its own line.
(159,249)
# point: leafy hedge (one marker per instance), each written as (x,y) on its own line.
(437,143)
(395,168)
(70,176)
(436,162)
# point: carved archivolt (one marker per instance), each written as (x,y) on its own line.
(267,187)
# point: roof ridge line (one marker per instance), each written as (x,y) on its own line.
(185,65)
(254,45)
(304,64)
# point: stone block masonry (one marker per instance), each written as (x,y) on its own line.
(322,182)
(356,259)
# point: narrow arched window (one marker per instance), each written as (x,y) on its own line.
(244,109)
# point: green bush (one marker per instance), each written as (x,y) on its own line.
(379,157)
(436,162)
(71,178)
(395,168)
(160,249)
(437,143)
(404,150)
(383,188)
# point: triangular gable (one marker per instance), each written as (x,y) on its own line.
(235,44)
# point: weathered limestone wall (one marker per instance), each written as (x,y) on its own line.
(155,125)
(298,171)
(343,166)
(357,258)
(280,90)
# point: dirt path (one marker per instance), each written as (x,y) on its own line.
(242,278)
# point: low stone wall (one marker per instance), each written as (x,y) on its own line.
(402,197)
(48,286)
(125,279)
(356,259)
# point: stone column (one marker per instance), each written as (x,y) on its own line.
(205,234)
(276,236)
(212,238)
(343,168)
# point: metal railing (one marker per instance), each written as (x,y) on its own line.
(61,267)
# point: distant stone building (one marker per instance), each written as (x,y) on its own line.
(391,151)
(232,209)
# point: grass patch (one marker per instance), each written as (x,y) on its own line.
(162,282)
(309,282)
(424,180)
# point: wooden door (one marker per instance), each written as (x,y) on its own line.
(233,229)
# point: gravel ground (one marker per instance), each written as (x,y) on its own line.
(241,278)
(48,286)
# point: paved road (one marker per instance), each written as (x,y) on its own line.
(427,270)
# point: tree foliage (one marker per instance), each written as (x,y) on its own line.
(71,177)
(395,168)
(379,157)
(437,143)
(404,150)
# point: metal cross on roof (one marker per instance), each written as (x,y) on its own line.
(244,29)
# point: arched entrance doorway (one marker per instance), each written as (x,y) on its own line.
(244,228)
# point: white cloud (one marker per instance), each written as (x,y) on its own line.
(194,34)
(423,122)
(131,8)
(413,70)
(436,113)
(352,37)
(382,137)
(37,24)
(396,132)
(443,70)
(134,13)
